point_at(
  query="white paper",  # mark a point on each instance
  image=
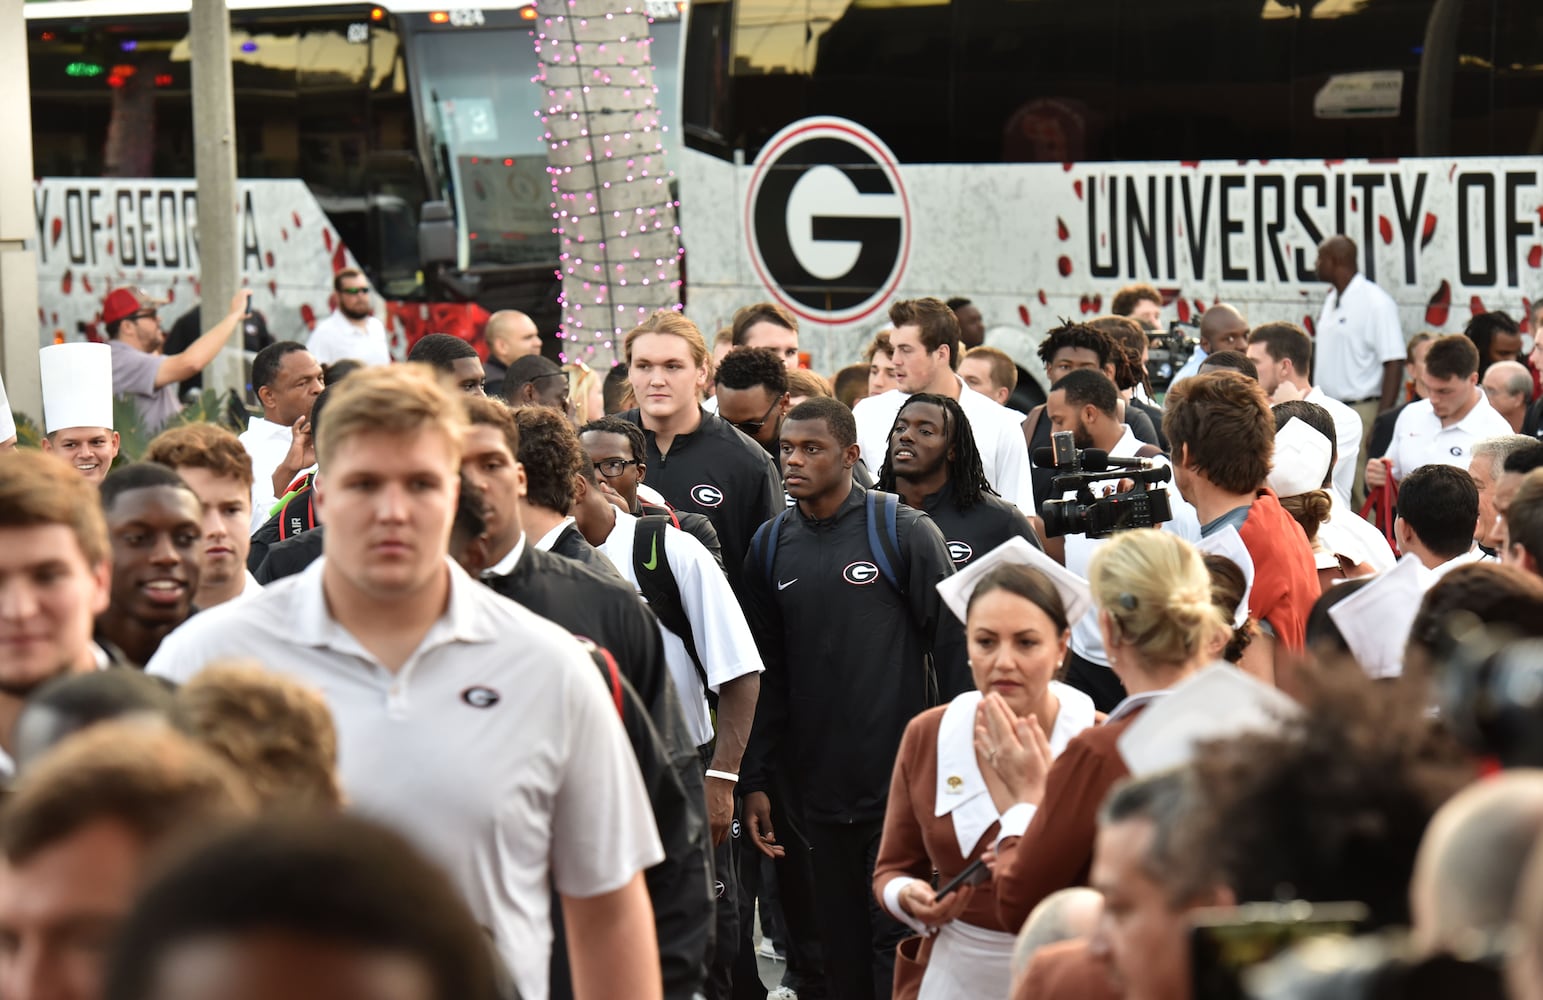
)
(1228, 544)
(7, 421)
(1376, 619)
(1218, 702)
(1075, 595)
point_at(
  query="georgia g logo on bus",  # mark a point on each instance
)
(828, 221)
(860, 573)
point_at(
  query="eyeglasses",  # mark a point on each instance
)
(144, 314)
(753, 427)
(353, 291)
(613, 467)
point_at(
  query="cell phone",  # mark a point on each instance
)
(974, 873)
(248, 312)
(1226, 942)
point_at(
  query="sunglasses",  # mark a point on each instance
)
(613, 467)
(144, 314)
(753, 427)
(353, 291)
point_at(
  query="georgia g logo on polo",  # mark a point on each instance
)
(860, 573)
(480, 697)
(707, 494)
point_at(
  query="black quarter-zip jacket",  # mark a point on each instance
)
(845, 656)
(720, 473)
(974, 532)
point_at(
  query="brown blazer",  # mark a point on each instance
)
(916, 842)
(1065, 971)
(1056, 851)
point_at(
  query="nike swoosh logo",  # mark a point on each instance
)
(653, 555)
(785, 586)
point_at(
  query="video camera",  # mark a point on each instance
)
(1168, 352)
(1489, 686)
(1145, 506)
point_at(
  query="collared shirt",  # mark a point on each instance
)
(511, 771)
(506, 565)
(998, 437)
(1191, 367)
(266, 443)
(1419, 439)
(723, 640)
(336, 338)
(1347, 440)
(1086, 640)
(546, 541)
(1473, 555)
(1358, 331)
(134, 375)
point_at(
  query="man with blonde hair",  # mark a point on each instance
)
(79, 832)
(276, 731)
(217, 468)
(437, 735)
(55, 575)
(989, 372)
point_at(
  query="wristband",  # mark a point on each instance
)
(725, 775)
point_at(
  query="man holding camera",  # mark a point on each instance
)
(1085, 403)
(1223, 439)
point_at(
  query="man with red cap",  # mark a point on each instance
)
(140, 371)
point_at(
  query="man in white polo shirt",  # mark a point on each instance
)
(1443, 427)
(926, 352)
(505, 762)
(1283, 353)
(1358, 340)
(287, 379)
(352, 330)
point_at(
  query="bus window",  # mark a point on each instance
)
(1518, 95)
(478, 102)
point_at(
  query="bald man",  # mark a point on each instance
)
(1471, 860)
(510, 335)
(1508, 384)
(1359, 343)
(1067, 915)
(1222, 328)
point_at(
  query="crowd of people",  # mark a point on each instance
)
(477, 675)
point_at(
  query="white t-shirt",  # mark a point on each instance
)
(1087, 642)
(998, 437)
(1347, 440)
(1358, 331)
(335, 338)
(724, 642)
(494, 748)
(1419, 439)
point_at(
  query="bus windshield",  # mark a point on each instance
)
(478, 105)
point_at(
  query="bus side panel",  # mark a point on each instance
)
(97, 234)
(1034, 244)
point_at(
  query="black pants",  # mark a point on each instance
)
(722, 958)
(857, 936)
(795, 891)
(1094, 680)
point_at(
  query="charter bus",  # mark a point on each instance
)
(1036, 155)
(355, 124)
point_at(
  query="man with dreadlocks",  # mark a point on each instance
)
(932, 463)
(1086, 403)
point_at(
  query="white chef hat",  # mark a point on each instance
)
(1075, 594)
(77, 386)
(1302, 457)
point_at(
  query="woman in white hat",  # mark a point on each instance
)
(946, 800)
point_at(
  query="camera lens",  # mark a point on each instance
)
(1063, 517)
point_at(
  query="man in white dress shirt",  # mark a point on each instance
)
(352, 331)
(926, 352)
(511, 771)
(1283, 353)
(287, 380)
(1359, 341)
(1443, 427)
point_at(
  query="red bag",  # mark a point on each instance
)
(1382, 503)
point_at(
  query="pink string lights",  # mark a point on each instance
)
(613, 211)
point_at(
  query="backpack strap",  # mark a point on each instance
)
(884, 536)
(764, 544)
(656, 579)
